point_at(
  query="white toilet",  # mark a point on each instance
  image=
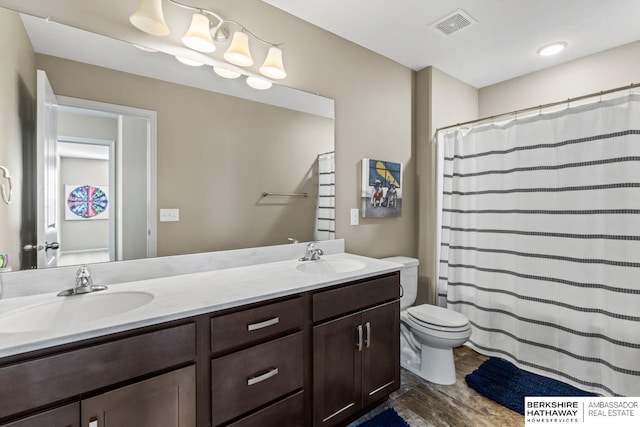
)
(428, 333)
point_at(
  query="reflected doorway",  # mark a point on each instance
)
(86, 168)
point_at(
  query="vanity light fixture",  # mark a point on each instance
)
(208, 27)
(238, 52)
(259, 83)
(198, 37)
(189, 62)
(149, 18)
(225, 72)
(552, 48)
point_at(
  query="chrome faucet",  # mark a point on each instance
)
(84, 284)
(312, 254)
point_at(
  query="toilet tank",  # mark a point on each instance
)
(408, 279)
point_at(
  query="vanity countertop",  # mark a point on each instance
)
(188, 295)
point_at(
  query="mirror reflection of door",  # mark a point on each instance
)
(46, 225)
(102, 157)
(86, 170)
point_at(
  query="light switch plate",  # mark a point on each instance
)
(355, 216)
(169, 215)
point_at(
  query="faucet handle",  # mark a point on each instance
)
(83, 276)
(83, 271)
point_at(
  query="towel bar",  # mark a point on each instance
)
(266, 194)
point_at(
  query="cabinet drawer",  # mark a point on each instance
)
(336, 302)
(248, 326)
(41, 381)
(288, 412)
(247, 379)
(65, 416)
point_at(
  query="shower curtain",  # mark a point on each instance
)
(326, 211)
(539, 241)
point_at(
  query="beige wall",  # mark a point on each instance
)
(441, 100)
(605, 70)
(17, 75)
(373, 105)
(216, 155)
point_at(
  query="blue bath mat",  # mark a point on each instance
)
(387, 418)
(508, 385)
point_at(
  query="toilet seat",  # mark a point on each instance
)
(439, 318)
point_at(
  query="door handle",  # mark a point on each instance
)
(33, 247)
(53, 246)
(367, 338)
(359, 339)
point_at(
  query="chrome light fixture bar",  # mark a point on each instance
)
(207, 27)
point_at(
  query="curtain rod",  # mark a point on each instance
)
(540, 107)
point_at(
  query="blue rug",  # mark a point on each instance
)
(387, 418)
(508, 385)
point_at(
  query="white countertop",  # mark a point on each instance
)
(186, 295)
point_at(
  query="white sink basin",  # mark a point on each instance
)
(331, 266)
(63, 312)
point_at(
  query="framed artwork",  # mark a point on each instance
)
(381, 189)
(86, 202)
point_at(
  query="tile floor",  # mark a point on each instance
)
(424, 404)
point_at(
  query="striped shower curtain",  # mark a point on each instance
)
(326, 211)
(540, 241)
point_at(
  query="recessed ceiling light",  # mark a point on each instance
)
(552, 49)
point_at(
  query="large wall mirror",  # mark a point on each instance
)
(148, 133)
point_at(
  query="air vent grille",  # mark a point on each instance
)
(454, 22)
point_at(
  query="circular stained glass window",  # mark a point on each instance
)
(87, 201)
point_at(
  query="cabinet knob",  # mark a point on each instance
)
(359, 339)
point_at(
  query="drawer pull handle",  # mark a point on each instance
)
(262, 377)
(359, 343)
(367, 338)
(266, 323)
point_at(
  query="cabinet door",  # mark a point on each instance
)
(164, 401)
(337, 363)
(65, 416)
(381, 353)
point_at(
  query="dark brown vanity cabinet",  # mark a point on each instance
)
(355, 353)
(258, 365)
(78, 372)
(316, 358)
(167, 400)
(65, 416)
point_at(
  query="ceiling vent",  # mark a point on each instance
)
(453, 22)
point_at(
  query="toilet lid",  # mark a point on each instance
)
(437, 316)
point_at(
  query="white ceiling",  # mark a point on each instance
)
(500, 46)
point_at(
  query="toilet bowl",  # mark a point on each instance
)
(428, 333)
